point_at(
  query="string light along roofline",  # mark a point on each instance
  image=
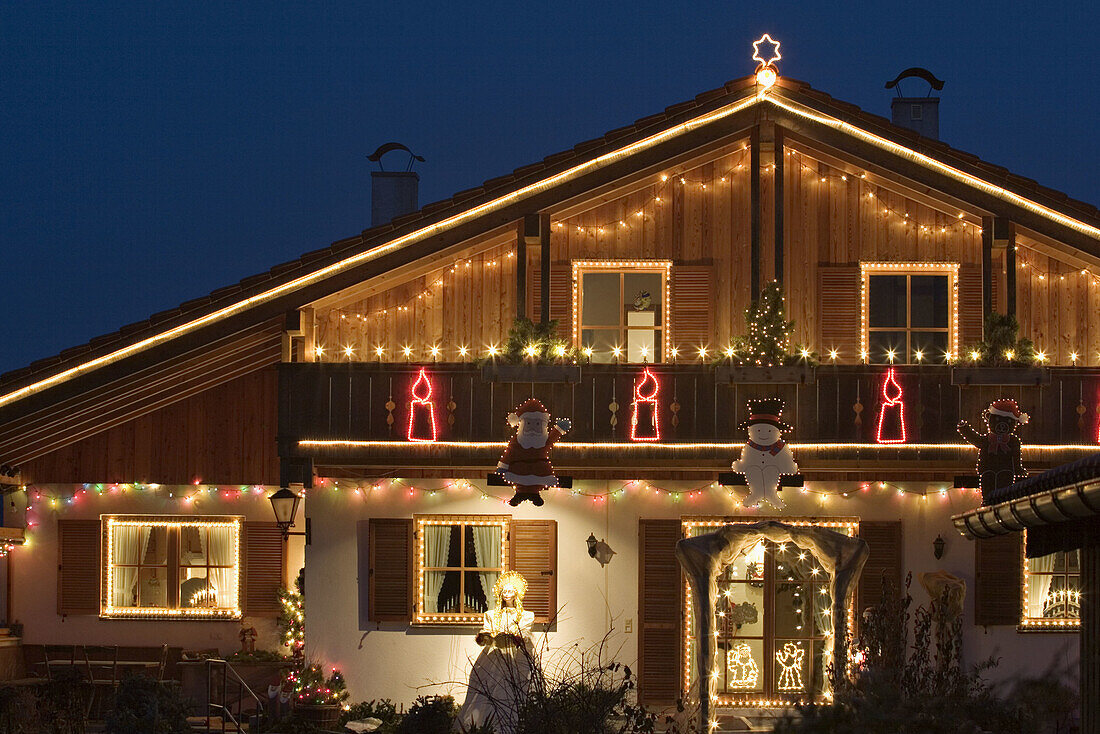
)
(587, 167)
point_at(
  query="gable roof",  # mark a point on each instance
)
(529, 188)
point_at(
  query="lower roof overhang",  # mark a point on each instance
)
(1069, 504)
(817, 462)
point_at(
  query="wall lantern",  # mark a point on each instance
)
(284, 504)
(937, 547)
(591, 545)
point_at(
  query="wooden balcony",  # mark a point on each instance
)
(358, 414)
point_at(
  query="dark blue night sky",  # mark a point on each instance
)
(154, 151)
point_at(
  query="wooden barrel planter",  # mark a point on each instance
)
(322, 715)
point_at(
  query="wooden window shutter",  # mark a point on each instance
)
(838, 310)
(884, 541)
(263, 568)
(561, 296)
(78, 567)
(390, 592)
(659, 617)
(533, 552)
(998, 576)
(692, 307)
(970, 304)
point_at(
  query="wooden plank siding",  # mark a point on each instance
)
(224, 435)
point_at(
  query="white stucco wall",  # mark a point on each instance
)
(34, 572)
(401, 662)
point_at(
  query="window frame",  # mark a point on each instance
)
(765, 697)
(172, 565)
(419, 616)
(661, 267)
(909, 269)
(1042, 624)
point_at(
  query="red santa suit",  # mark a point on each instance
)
(526, 459)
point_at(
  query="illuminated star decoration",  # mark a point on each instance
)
(766, 73)
(774, 54)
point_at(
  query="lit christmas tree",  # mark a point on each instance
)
(768, 341)
(292, 618)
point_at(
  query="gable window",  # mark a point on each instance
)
(910, 312)
(1051, 595)
(176, 567)
(773, 621)
(621, 310)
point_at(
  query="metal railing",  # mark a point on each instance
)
(230, 712)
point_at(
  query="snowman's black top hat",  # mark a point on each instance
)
(766, 410)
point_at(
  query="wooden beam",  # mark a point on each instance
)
(778, 183)
(754, 211)
(544, 270)
(523, 230)
(987, 270)
(1004, 235)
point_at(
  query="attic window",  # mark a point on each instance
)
(623, 310)
(910, 312)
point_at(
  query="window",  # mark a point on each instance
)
(459, 559)
(1052, 591)
(910, 312)
(180, 567)
(773, 621)
(916, 112)
(621, 310)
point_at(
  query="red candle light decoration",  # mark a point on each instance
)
(891, 417)
(644, 422)
(422, 426)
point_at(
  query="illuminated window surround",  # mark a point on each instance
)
(866, 269)
(651, 266)
(753, 98)
(1038, 624)
(687, 524)
(112, 521)
(422, 521)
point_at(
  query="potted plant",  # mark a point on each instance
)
(317, 700)
(533, 352)
(764, 354)
(1002, 358)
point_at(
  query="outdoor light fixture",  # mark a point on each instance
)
(284, 504)
(937, 547)
(592, 544)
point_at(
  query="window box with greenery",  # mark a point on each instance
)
(532, 353)
(1002, 358)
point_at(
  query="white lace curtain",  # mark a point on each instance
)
(437, 544)
(487, 548)
(222, 580)
(1038, 583)
(130, 545)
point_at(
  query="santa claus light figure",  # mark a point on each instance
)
(525, 463)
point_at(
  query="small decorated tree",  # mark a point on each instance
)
(768, 341)
(292, 617)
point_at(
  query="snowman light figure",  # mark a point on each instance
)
(766, 456)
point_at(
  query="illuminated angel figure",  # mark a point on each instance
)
(500, 675)
(790, 664)
(743, 670)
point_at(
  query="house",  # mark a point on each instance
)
(371, 377)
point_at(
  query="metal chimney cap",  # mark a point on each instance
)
(376, 156)
(919, 73)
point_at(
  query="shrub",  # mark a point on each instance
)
(429, 715)
(384, 710)
(144, 706)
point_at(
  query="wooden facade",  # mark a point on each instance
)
(699, 217)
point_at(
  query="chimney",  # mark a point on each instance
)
(393, 193)
(920, 114)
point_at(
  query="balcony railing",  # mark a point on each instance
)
(695, 403)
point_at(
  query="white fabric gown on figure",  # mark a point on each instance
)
(499, 678)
